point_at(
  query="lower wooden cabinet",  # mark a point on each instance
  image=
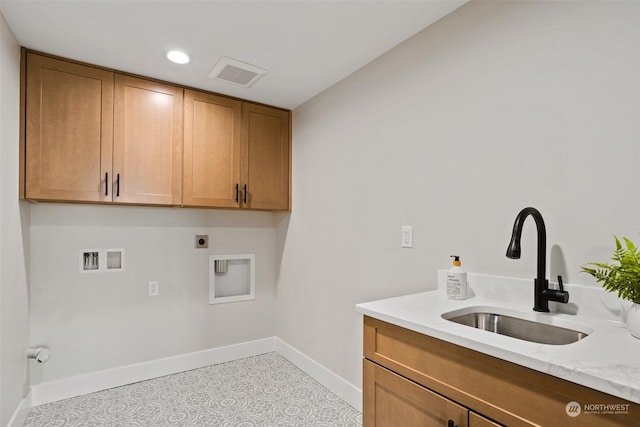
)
(477, 420)
(411, 379)
(391, 401)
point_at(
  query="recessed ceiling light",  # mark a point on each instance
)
(178, 57)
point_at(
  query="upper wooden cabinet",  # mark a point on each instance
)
(265, 157)
(89, 139)
(69, 130)
(236, 154)
(147, 148)
(95, 135)
(212, 128)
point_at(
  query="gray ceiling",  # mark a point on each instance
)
(306, 45)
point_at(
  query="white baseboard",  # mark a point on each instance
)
(17, 420)
(336, 384)
(102, 380)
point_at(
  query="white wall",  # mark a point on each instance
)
(499, 106)
(14, 222)
(96, 321)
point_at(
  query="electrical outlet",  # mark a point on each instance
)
(202, 241)
(407, 236)
(154, 288)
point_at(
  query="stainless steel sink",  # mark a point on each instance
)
(522, 329)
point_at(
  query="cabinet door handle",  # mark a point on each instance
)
(245, 194)
(118, 186)
(450, 423)
(106, 183)
(237, 193)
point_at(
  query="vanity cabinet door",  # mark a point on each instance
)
(265, 157)
(391, 401)
(477, 420)
(212, 130)
(69, 130)
(147, 149)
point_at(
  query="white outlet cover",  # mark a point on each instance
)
(154, 288)
(407, 236)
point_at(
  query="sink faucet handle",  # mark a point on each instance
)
(558, 295)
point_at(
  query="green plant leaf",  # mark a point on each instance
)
(623, 276)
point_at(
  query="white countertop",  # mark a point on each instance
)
(608, 359)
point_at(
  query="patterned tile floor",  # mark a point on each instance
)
(265, 390)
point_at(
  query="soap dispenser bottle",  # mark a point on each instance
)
(456, 280)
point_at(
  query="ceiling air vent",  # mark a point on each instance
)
(237, 72)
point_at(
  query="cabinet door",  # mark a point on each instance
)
(265, 157)
(391, 401)
(69, 130)
(147, 149)
(212, 128)
(477, 420)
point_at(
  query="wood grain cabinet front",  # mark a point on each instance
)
(265, 154)
(392, 401)
(93, 135)
(408, 374)
(477, 420)
(147, 149)
(212, 135)
(69, 131)
(100, 136)
(236, 154)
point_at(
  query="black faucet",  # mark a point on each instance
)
(542, 294)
